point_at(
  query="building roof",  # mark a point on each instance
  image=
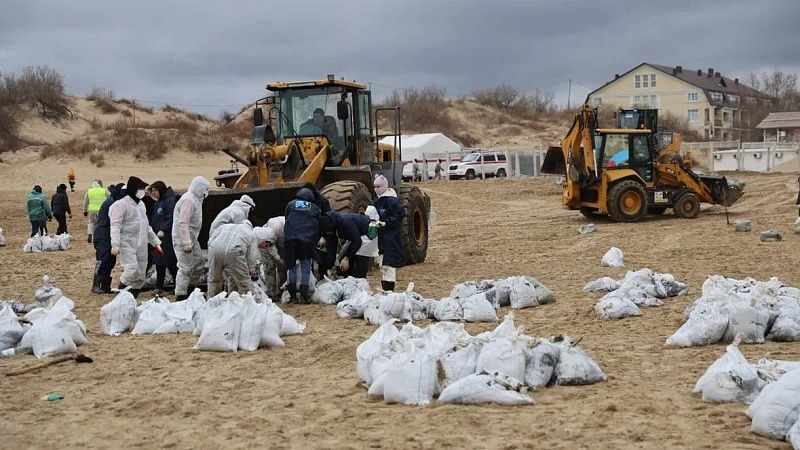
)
(780, 120)
(700, 78)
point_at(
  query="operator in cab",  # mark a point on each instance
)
(326, 125)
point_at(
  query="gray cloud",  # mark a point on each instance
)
(205, 53)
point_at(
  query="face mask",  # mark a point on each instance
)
(140, 194)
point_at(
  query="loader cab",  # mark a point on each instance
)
(625, 149)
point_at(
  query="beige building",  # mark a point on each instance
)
(717, 107)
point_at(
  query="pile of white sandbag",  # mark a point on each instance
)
(413, 365)
(636, 289)
(226, 322)
(49, 329)
(38, 244)
(729, 307)
(333, 292)
(771, 386)
(471, 301)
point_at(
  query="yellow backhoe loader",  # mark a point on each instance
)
(630, 171)
(323, 132)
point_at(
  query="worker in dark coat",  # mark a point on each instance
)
(101, 238)
(390, 211)
(349, 227)
(300, 234)
(161, 222)
(59, 205)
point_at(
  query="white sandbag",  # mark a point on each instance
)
(747, 321)
(374, 313)
(771, 236)
(458, 364)
(575, 367)
(478, 309)
(51, 335)
(200, 314)
(352, 286)
(151, 315)
(116, 316)
(502, 355)
(587, 228)
(616, 306)
(33, 245)
(742, 225)
(485, 388)
(180, 315)
(448, 309)
(778, 407)
(706, 325)
(271, 333)
(522, 293)
(729, 379)
(48, 293)
(254, 319)
(464, 290)
(11, 331)
(328, 292)
(290, 326)
(793, 436)
(62, 241)
(603, 284)
(221, 330)
(354, 306)
(369, 349)
(541, 362)
(612, 258)
(787, 326)
(410, 378)
(77, 330)
(395, 305)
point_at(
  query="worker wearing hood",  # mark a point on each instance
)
(300, 233)
(272, 254)
(92, 202)
(233, 247)
(238, 211)
(130, 233)
(389, 236)
(186, 223)
(104, 260)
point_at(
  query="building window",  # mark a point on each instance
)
(694, 115)
(726, 117)
(652, 80)
(693, 97)
(654, 101)
(644, 81)
(598, 101)
(734, 99)
(637, 81)
(716, 97)
(751, 100)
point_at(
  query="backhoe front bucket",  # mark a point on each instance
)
(725, 191)
(554, 162)
(270, 202)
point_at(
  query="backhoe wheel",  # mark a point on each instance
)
(347, 196)
(416, 209)
(687, 206)
(656, 210)
(627, 201)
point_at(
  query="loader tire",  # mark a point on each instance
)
(687, 206)
(347, 196)
(416, 209)
(627, 201)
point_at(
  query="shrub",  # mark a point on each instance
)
(106, 107)
(100, 94)
(44, 87)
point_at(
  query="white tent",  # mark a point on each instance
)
(426, 147)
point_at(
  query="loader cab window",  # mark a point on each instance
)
(641, 152)
(615, 151)
(310, 112)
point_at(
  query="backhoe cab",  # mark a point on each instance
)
(628, 171)
(321, 132)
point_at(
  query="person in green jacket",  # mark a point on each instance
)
(92, 202)
(38, 211)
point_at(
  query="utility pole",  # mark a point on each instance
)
(569, 93)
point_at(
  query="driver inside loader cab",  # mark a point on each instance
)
(326, 124)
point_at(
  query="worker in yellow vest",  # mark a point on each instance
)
(92, 202)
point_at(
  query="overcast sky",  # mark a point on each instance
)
(208, 56)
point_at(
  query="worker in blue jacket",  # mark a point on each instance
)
(300, 234)
(390, 247)
(101, 238)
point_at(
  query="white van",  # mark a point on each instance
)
(494, 164)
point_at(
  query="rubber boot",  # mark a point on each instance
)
(105, 285)
(292, 293)
(181, 297)
(135, 292)
(89, 238)
(96, 288)
(387, 285)
(304, 295)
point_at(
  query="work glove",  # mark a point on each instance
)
(158, 250)
(160, 234)
(115, 250)
(372, 231)
(344, 264)
(85, 213)
(187, 248)
(321, 243)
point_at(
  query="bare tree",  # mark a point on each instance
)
(44, 87)
(781, 86)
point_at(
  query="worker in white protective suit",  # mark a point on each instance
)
(130, 234)
(237, 212)
(273, 267)
(234, 248)
(187, 220)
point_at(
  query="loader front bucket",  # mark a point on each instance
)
(270, 202)
(725, 191)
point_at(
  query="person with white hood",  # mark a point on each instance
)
(130, 234)
(272, 254)
(234, 247)
(390, 234)
(236, 212)
(186, 223)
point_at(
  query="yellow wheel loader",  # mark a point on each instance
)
(322, 132)
(631, 170)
